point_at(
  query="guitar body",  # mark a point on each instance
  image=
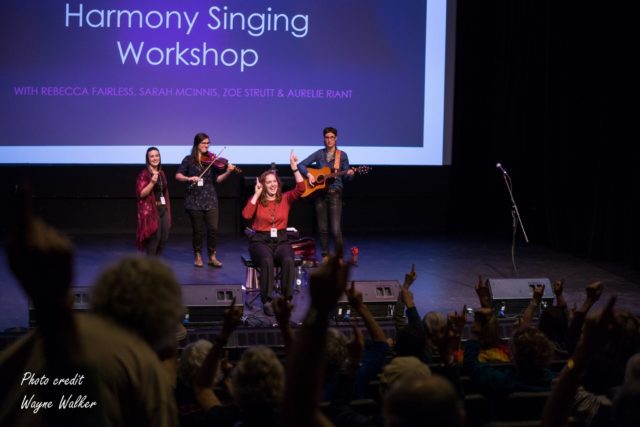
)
(322, 177)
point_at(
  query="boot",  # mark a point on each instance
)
(213, 261)
(198, 261)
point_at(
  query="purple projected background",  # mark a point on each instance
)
(354, 65)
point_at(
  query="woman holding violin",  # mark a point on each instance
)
(199, 170)
(154, 208)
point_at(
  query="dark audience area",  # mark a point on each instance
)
(132, 359)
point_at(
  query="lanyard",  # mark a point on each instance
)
(272, 211)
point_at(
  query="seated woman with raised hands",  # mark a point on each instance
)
(268, 211)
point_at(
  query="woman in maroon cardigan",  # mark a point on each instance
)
(268, 211)
(154, 207)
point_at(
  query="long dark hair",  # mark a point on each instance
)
(163, 179)
(263, 195)
(146, 157)
(196, 141)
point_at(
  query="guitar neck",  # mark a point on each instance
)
(337, 174)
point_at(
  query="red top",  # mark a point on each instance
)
(274, 214)
(147, 210)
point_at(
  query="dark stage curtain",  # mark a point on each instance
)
(549, 90)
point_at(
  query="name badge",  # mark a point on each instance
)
(274, 233)
(162, 201)
(200, 182)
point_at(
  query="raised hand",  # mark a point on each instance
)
(410, 277)
(594, 291)
(354, 296)
(232, 317)
(41, 259)
(597, 329)
(258, 188)
(293, 159)
(558, 287)
(328, 282)
(483, 292)
(450, 342)
(538, 293)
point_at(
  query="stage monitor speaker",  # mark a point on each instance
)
(206, 303)
(379, 295)
(81, 302)
(510, 297)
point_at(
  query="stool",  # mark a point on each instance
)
(251, 276)
(252, 283)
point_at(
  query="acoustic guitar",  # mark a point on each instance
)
(324, 176)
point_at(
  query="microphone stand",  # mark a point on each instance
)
(516, 219)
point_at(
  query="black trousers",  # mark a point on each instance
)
(155, 244)
(267, 253)
(204, 222)
(329, 217)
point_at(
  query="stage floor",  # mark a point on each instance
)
(447, 267)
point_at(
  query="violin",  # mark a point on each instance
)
(219, 163)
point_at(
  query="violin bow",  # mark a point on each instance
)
(211, 164)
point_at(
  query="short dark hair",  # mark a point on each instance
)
(329, 130)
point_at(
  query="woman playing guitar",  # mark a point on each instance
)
(328, 203)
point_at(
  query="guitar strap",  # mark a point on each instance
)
(336, 161)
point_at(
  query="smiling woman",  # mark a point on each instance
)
(201, 199)
(268, 211)
(154, 207)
